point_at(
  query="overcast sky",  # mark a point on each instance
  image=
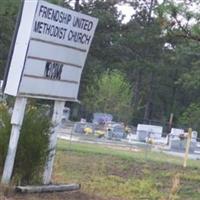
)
(127, 10)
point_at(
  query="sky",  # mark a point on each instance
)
(127, 10)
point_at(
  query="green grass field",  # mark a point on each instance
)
(123, 174)
(110, 173)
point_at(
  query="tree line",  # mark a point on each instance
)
(139, 71)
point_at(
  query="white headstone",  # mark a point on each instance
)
(146, 131)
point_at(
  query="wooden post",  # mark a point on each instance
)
(16, 121)
(57, 114)
(170, 126)
(171, 121)
(189, 136)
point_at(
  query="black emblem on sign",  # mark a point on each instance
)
(53, 70)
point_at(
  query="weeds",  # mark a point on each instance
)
(112, 175)
(32, 147)
(175, 187)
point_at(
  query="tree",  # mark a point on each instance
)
(142, 45)
(191, 117)
(181, 18)
(8, 13)
(157, 51)
(102, 53)
(111, 94)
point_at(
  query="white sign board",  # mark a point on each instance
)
(50, 52)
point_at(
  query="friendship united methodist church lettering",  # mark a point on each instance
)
(62, 30)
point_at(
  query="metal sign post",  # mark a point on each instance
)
(56, 119)
(16, 121)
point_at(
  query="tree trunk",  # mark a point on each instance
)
(149, 104)
(148, 107)
(77, 6)
(174, 90)
(136, 90)
(150, 10)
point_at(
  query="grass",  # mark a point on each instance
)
(92, 149)
(106, 173)
(123, 174)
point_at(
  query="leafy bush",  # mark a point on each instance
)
(191, 117)
(111, 94)
(32, 147)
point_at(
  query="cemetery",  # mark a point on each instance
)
(175, 141)
(99, 103)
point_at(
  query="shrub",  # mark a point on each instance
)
(111, 94)
(32, 147)
(191, 117)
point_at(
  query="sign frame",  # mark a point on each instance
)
(13, 80)
(40, 48)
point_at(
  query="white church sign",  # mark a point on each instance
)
(46, 62)
(50, 52)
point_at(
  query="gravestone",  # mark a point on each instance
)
(178, 140)
(145, 132)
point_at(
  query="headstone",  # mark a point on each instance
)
(115, 131)
(178, 140)
(79, 127)
(176, 132)
(84, 128)
(179, 145)
(102, 118)
(145, 132)
(194, 135)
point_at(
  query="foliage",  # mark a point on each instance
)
(191, 116)
(111, 94)
(181, 18)
(32, 147)
(128, 189)
(8, 13)
(144, 59)
(157, 50)
(103, 51)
